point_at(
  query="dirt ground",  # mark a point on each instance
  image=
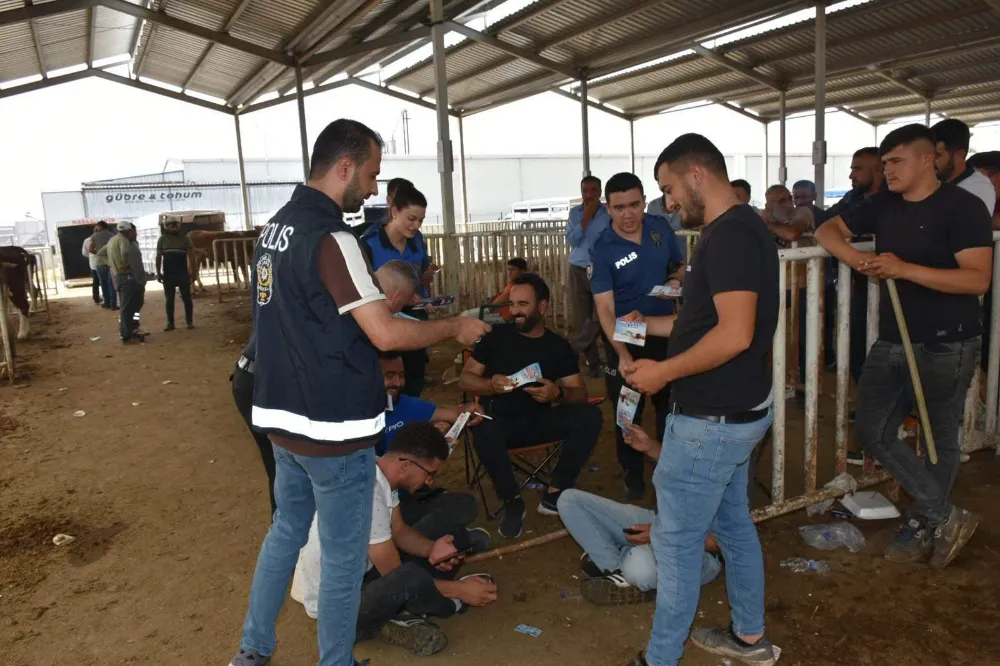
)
(162, 487)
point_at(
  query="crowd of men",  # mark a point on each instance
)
(376, 550)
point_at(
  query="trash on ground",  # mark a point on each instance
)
(801, 564)
(63, 388)
(63, 539)
(95, 338)
(870, 505)
(79, 412)
(844, 482)
(777, 652)
(528, 630)
(136, 404)
(169, 381)
(834, 535)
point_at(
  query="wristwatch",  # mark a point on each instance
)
(561, 395)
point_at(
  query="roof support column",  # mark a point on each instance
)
(631, 143)
(303, 138)
(586, 126)
(782, 153)
(819, 145)
(766, 166)
(446, 166)
(465, 187)
(247, 222)
(927, 111)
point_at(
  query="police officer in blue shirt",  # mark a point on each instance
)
(587, 222)
(636, 253)
(400, 238)
(319, 316)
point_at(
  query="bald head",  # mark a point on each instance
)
(399, 283)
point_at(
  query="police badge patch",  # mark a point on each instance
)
(265, 277)
(590, 271)
(655, 236)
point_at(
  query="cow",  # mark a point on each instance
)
(17, 268)
(202, 255)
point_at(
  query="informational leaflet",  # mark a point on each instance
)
(456, 429)
(631, 332)
(628, 403)
(435, 301)
(665, 290)
(388, 406)
(529, 375)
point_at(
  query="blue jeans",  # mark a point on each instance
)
(339, 490)
(598, 524)
(107, 287)
(701, 486)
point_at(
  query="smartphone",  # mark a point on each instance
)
(463, 551)
(631, 532)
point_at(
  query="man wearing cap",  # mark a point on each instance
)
(125, 259)
(172, 250)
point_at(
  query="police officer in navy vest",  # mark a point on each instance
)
(637, 253)
(319, 318)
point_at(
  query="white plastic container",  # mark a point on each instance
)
(870, 505)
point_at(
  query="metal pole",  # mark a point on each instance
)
(446, 165)
(302, 123)
(465, 188)
(927, 112)
(586, 127)
(767, 166)
(247, 222)
(814, 271)
(778, 357)
(819, 146)
(631, 143)
(843, 363)
(782, 156)
(993, 366)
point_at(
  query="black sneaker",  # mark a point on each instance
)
(640, 660)
(249, 658)
(634, 486)
(725, 643)
(512, 521)
(589, 567)
(613, 590)
(168, 327)
(912, 543)
(549, 506)
(479, 539)
(950, 537)
(190, 325)
(414, 633)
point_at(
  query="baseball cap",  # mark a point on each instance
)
(125, 225)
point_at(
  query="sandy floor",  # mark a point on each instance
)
(163, 489)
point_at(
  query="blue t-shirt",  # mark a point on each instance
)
(580, 240)
(383, 251)
(631, 270)
(406, 410)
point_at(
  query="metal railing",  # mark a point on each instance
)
(232, 257)
(44, 262)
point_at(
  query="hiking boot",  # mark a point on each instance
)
(414, 633)
(549, 506)
(589, 567)
(613, 590)
(725, 643)
(952, 535)
(479, 539)
(634, 486)
(249, 658)
(512, 521)
(912, 543)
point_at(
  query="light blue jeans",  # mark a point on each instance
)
(598, 524)
(701, 486)
(339, 491)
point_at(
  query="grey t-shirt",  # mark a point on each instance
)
(101, 239)
(135, 262)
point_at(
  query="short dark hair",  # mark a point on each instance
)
(518, 262)
(953, 133)
(739, 182)
(622, 182)
(342, 138)
(904, 136)
(101, 224)
(775, 188)
(420, 439)
(390, 355)
(407, 195)
(988, 161)
(591, 179)
(537, 283)
(805, 185)
(867, 151)
(394, 184)
(692, 149)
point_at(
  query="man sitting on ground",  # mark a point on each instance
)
(411, 568)
(615, 538)
(526, 416)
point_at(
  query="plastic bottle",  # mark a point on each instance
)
(801, 564)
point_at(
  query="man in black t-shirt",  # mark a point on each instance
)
(553, 409)
(934, 239)
(718, 364)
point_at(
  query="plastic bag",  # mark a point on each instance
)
(834, 535)
(843, 481)
(801, 565)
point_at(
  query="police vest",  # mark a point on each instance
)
(316, 374)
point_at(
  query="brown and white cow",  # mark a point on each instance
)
(202, 255)
(17, 268)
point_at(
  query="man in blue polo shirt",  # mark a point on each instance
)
(636, 253)
(587, 222)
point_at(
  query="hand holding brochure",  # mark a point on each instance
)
(525, 376)
(628, 403)
(631, 332)
(665, 291)
(456, 429)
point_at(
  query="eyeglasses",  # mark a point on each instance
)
(430, 475)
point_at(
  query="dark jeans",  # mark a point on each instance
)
(885, 399)
(829, 326)
(859, 328)
(436, 512)
(243, 397)
(414, 362)
(107, 287)
(132, 295)
(96, 285)
(183, 284)
(632, 461)
(579, 424)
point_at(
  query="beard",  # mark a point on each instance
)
(692, 212)
(353, 196)
(529, 323)
(947, 172)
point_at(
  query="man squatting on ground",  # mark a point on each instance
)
(319, 318)
(935, 239)
(719, 367)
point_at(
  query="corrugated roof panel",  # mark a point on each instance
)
(513, 72)
(114, 32)
(211, 14)
(223, 71)
(711, 87)
(462, 63)
(172, 55)
(11, 4)
(64, 39)
(692, 69)
(17, 52)
(272, 22)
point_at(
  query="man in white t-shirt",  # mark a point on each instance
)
(410, 574)
(952, 136)
(92, 261)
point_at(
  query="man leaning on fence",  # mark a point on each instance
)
(934, 240)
